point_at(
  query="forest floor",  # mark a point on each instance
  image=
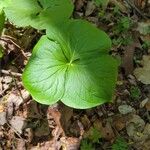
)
(123, 124)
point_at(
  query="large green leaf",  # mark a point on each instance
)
(74, 67)
(38, 13)
(2, 17)
(2, 4)
(2, 21)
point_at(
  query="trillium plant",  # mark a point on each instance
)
(71, 62)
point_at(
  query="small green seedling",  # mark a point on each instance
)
(86, 145)
(135, 92)
(120, 144)
(101, 3)
(146, 44)
(123, 25)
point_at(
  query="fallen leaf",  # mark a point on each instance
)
(70, 143)
(106, 130)
(144, 27)
(125, 109)
(127, 61)
(147, 130)
(143, 74)
(66, 114)
(29, 134)
(7, 79)
(18, 123)
(147, 105)
(85, 121)
(3, 118)
(2, 108)
(143, 103)
(135, 127)
(18, 99)
(90, 8)
(32, 110)
(43, 129)
(119, 122)
(21, 144)
(146, 145)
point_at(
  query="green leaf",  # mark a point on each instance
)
(1, 52)
(1, 4)
(74, 67)
(2, 16)
(2, 21)
(38, 13)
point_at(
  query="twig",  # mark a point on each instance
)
(119, 4)
(10, 73)
(15, 131)
(9, 39)
(133, 6)
(146, 4)
(18, 90)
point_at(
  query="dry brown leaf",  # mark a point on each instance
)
(90, 8)
(147, 105)
(119, 122)
(18, 123)
(127, 62)
(21, 144)
(70, 143)
(143, 74)
(3, 119)
(135, 127)
(79, 4)
(105, 130)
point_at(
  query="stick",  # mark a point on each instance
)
(133, 6)
(8, 72)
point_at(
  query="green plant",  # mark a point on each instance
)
(146, 44)
(123, 25)
(86, 145)
(116, 10)
(71, 62)
(122, 40)
(102, 3)
(135, 92)
(2, 21)
(1, 52)
(95, 135)
(120, 144)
